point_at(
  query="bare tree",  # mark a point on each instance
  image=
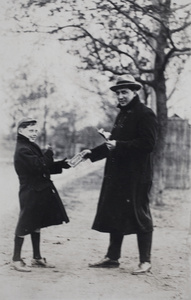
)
(141, 37)
(29, 99)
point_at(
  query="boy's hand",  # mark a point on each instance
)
(65, 164)
(48, 147)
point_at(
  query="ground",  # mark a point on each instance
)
(72, 246)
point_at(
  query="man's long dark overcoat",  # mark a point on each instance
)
(40, 204)
(124, 202)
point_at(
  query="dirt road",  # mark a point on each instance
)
(72, 246)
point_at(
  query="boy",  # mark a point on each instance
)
(40, 204)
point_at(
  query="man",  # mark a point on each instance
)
(40, 204)
(123, 206)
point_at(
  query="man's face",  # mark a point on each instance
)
(30, 132)
(124, 96)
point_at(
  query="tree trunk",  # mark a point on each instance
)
(161, 100)
(158, 180)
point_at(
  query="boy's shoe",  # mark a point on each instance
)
(142, 268)
(41, 263)
(105, 263)
(20, 266)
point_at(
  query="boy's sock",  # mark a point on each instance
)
(17, 248)
(35, 238)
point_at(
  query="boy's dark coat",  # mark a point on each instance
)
(40, 204)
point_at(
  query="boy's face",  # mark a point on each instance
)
(31, 132)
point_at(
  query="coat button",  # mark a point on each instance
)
(128, 200)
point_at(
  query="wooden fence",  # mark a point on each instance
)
(177, 154)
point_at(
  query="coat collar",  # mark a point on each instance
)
(24, 139)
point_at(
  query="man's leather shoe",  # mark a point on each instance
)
(105, 263)
(41, 263)
(142, 268)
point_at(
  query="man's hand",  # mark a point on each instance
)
(111, 145)
(104, 133)
(85, 154)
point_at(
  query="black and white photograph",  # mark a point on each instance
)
(95, 150)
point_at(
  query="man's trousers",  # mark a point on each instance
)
(144, 240)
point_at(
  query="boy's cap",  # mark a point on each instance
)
(26, 120)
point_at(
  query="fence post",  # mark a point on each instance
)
(177, 154)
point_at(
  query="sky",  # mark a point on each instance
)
(51, 62)
(49, 59)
